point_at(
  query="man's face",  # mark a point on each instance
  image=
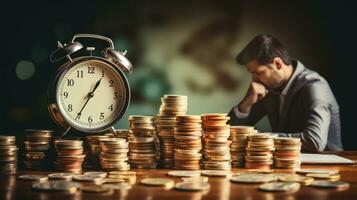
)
(268, 75)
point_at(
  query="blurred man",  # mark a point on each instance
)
(297, 101)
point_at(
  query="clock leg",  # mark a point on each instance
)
(66, 131)
(112, 129)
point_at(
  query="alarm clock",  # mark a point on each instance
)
(89, 93)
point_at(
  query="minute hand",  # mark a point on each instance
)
(90, 95)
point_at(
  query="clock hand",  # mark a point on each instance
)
(90, 95)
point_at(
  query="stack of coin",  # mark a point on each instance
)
(143, 142)
(188, 144)
(287, 153)
(38, 149)
(239, 135)
(92, 149)
(114, 154)
(165, 126)
(172, 105)
(69, 155)
(216, 132)
(259, 149)
(8, 154)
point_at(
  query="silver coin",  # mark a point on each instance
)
(280, 187)
(87, 178)
(66, 176)
(64, 186)
(330, 184)
(253, 178)
(118, 186)
(100, 174)
(33, 177)
(192, 186)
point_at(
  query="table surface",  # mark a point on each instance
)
(221, 188)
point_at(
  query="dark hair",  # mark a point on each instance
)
(264, 48)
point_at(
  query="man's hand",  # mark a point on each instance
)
(256, 92)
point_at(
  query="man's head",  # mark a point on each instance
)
(266, 59)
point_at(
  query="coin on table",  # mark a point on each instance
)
(253, 178)
(280, 187)
(331, 177)
(195, 179)
(216, 173)
(317, 171)
(331, 184)
(261, 171)
(65, 176)
(96, 189)
(125, 173)
(87, 178)
(298, 179)
(118, 186)
(63, 186)
(184, 173)
(192, 186)
(158, 182)
(33, 177)
(100, 174)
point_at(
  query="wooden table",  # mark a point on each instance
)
(221, 188)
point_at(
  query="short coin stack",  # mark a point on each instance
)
(259, 151)
(142, 142)
(239, 136)
(114, 154)
(92, 149)
(216, 144)
(121, 133)
(287, 153)
(171, 106)
(188, 144)
(8, 154)
(38, 149)
(69, 155)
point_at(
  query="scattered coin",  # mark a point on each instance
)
(33, 177)
(168, 183)
(96, 189)
(65, 176)
(298, 179)
(62, 186)
(192, 186)
(100, 174)
(253, 178)
(195, 179)
(331, 177)
(280, 187)
(183, 173)
(331, 184)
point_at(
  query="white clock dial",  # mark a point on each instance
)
(91, 95)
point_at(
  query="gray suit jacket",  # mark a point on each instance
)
(310, 112)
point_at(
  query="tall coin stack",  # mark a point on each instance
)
(188, 144)
(239, 136)
(216, 132)
(287, 153)
(38, 149)
(142, 142)
(114, 154)
(92, 149)
(259, 149)
(69, 155)
(8, 154)
(171, 106)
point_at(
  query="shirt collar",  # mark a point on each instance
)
(298, 66)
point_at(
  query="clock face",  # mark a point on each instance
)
(91, 95)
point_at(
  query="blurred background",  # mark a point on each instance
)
(176, 47)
